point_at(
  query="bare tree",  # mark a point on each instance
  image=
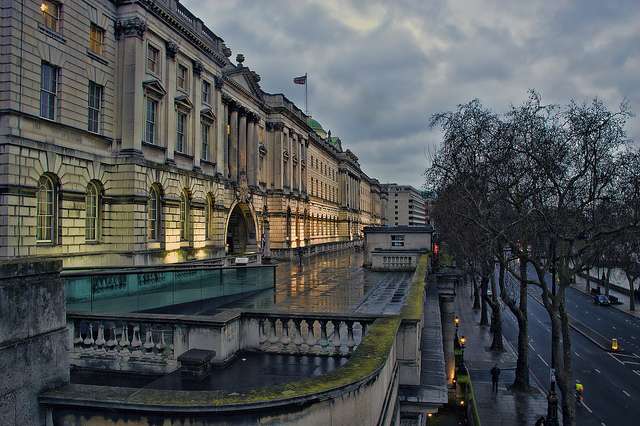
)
(536, 180)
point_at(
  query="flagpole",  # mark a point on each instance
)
(306, 109)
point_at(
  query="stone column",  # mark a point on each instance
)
(242, 143)
(130, 33)
(233, 143)
(220, 140)
(448, 335)
(252, 148)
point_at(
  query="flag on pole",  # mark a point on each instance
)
(300, 80)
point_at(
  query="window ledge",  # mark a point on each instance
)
(183, 155)
(53, 34)
(97, 57)
(153, 146)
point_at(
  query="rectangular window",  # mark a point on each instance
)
(182, 77)
(397, 240)
(95, 100)
(205, 141)
(96, 39)
(150, 133)
(48, 91)
(206, 92)
(180, 132)
(50, 14)
(152, 59)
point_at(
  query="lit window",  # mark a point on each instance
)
(92, 209)
(150, 132)
(46, 210)
(206, 92)
(50, 14)
(184, 216)
(181, 127)
(155, 212)
(182, 77)
(96, 39)
(152, 59)
(95, 100)
(205, 141)
(48, 91)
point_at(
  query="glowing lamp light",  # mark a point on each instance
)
(614, 344)
(457, 320)
(463, 340)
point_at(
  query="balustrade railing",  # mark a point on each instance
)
(312, 335)
(152, 343)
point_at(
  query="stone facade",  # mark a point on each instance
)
(128, 137)
(34, 354)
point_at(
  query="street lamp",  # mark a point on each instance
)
(462, 369)
(456, 341)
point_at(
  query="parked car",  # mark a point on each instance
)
(601, 300)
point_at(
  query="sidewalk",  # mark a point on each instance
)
(504, 407)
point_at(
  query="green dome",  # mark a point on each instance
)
(316, 127)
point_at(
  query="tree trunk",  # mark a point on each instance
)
(521, 381)
(496, 315)
(484, 281)
(566, 382)
(476, 290)
(632, 294)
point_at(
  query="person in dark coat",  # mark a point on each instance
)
(495, 374)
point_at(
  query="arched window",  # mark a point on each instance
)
(46, 213)
(92, 212)
(155, 213)
(209, 222)
(184, 216)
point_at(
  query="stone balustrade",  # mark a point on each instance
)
(151, 343)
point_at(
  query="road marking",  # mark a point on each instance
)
(597, 371)
(542, 359)
(614, 327)
(585, 406)
(637, 372)
(612, 356)
(626, 393)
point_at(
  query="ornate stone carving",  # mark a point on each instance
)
(134, 27)
(274, 126)
(218, 82)
(198, 67)
(242, 191)
(239, 59)
(172, 49)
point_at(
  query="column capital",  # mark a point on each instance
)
(172, 49)
(134, 27)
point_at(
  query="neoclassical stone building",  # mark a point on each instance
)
(129, 137)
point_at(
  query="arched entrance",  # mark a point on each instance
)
(241, 230)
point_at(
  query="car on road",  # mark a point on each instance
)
(601, 300)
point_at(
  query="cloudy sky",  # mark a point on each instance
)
(378, 70)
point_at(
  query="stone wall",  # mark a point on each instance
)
(33, 339)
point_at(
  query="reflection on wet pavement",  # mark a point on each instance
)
(330, 283)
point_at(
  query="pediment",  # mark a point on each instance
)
(183, 103)
(207, 115)
(246, 79)
(154, 88)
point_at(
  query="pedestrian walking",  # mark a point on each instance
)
(495, 373)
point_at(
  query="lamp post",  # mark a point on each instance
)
(462, 369)
(456, 341)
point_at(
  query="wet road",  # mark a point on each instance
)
(330, 283)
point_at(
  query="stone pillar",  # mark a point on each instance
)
(130, 33)
(253, 154)
(34, 342)
(242, 143)
(448, 335)
(233, 143)
(220, 140)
